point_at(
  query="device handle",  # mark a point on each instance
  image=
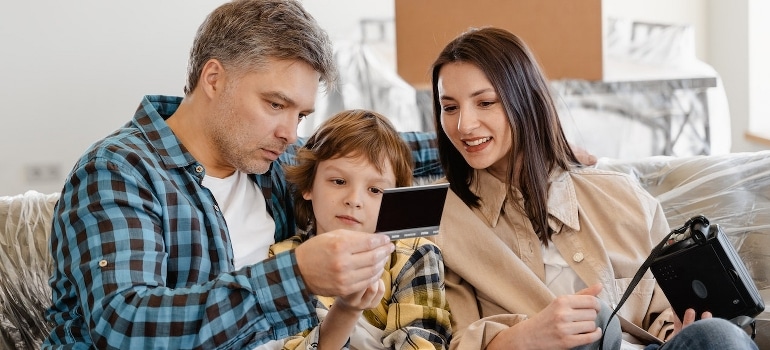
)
(696, 220)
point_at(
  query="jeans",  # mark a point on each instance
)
(711, 333)
(611, 330)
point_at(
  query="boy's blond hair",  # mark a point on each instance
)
(349, 133)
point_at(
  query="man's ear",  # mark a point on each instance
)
(213, 77)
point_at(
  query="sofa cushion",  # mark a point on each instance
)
(732, 190)
(25, 265)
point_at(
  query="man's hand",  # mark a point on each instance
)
(569, 321)
(583, 156)
(342, 262)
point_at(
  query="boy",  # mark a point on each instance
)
(338, 182)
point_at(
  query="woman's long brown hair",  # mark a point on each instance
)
(537, 133)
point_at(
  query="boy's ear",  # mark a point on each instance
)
(307, 196)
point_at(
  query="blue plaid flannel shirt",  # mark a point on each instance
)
(141, 252)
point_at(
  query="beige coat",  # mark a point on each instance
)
(605, 225)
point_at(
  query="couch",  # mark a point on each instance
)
(732, 190)
(25, 224)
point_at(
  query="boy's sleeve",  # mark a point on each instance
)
(418, 314)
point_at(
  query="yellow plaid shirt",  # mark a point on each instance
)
(413, 312)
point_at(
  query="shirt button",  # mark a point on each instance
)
(578, 257)
(199, 169)
(102, 263)
(216, 208)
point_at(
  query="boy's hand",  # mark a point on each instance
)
(368, 298)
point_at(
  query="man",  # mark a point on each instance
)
(160, 237)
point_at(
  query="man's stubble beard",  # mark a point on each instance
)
(229, 139)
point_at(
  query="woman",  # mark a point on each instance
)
(534, 243)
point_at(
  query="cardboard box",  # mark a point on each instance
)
(565, 35)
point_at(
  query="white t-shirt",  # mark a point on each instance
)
(252, 229)
(559, 277)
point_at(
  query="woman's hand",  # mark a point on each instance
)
(569, 321)
(689, 318)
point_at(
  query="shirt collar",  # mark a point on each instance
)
(150, 119)
(562, 203)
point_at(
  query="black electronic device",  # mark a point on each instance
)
(409, 212)
(699, 268)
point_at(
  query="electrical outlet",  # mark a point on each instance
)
(37, 173)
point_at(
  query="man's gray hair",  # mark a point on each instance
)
(244, 34)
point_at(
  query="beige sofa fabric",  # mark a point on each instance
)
(25, 225)
(732, 190)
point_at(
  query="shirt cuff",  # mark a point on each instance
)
(281, 294)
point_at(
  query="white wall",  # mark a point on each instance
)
(728, 54)
(759, 65)
(73, 71)
(731, 36)
(733, 54)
